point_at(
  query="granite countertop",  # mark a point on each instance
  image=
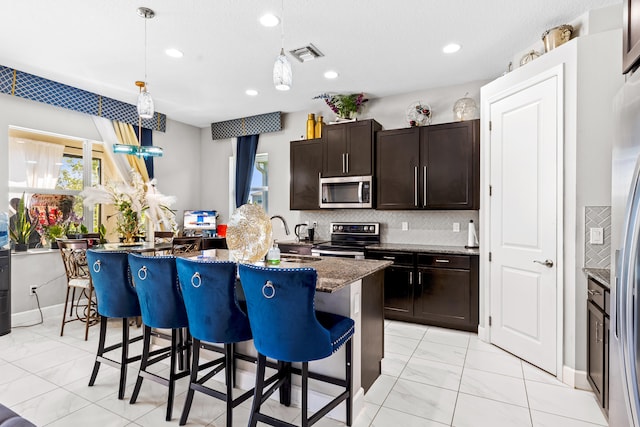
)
(441, 249)
(602, 275)
(333, 273)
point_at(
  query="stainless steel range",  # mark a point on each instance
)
(348, 239)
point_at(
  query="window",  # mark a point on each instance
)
(52, 170)
(259, 192)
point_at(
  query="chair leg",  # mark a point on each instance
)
(64, 312)
(88, 320)
(193, 380)
(285, 389)
(73, 298)
(257, 394)
(143, 362)
(305, 394)
(124, 358)
(172, 372)
(101, 341)
(349, 378)
(228, 374)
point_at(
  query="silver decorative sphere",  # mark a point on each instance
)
(465, 109)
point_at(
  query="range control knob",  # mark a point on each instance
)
(340, 228)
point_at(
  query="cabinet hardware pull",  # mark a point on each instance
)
(347, 162)
(343, 168)
(442, 260)
(415, 186)
(411, 277)
(424, 187)
(598, 326)
(291, 251)
(593, 292)
(419, 277)
(392, 258)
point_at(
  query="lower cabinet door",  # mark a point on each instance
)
(398, 291)
(443, 297)
(595, 353)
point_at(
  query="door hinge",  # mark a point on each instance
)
(490, 190)
(490, 125)
(489, 320)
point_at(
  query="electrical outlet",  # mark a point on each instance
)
(456, 227)
(596, 236)
(405, 226)
(32, 289)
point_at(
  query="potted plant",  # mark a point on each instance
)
(53, 232)
(345, 106)
(22, 228)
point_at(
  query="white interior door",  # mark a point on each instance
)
(523, 219)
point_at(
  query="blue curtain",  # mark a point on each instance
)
(245, 160)
(147, 141)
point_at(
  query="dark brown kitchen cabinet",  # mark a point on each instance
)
(598, 341)
(306, 165)
(433, 289)
(431, 167)
(348, 148)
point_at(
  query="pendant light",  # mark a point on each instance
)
(145, 102)
(282, 76)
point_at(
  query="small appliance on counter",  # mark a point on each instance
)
(200, 223)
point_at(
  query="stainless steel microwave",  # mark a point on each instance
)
(346, 192)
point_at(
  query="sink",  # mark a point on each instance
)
(299, 259)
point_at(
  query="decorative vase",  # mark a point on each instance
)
(311, 125)
(319, 124)
(54, 244)
(128, 238)
(21, 247)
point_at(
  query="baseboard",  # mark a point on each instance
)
(483, 333)
(33, 316)
(575, 379)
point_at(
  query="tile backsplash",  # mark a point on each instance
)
(424, 227)
(597, 256)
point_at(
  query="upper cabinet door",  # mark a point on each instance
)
(397, 155)
(335, 149)
(450, 165)
(349, 148)
(306, 164)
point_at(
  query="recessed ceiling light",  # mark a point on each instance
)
(269, 20)
(251, 92)
(174, 53)
(330, 74)
(451, 48)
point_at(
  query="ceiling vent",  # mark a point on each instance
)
(306, 53)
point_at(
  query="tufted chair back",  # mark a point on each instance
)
(280, 305)
(156, 282)
(112, 283)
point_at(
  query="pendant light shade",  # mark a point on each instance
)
(145, 103)
(282, 76)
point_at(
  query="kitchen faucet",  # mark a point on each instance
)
(284, 222)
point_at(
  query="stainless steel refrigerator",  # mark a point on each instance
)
(624, 335)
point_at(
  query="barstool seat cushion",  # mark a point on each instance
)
(80, 283)
(340, 328)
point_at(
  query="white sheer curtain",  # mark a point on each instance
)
(109, 137)
(34, 164)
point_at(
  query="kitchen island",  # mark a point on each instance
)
(345, 286)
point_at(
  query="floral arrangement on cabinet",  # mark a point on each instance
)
(345, 106)
(134, 201)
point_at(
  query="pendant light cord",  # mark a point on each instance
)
(282, 28)
(145, 52)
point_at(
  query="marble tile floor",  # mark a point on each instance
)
(431, 377)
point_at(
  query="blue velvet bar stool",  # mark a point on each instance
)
(161, 305)
(208, 290)
(118, 300)
(286, 327)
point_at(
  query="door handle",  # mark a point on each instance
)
(546, 262)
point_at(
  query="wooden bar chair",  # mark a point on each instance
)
(74, 252)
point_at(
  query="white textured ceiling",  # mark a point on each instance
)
(380, 47)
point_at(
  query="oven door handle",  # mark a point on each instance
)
(321, 252)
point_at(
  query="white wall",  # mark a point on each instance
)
(177, 172)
